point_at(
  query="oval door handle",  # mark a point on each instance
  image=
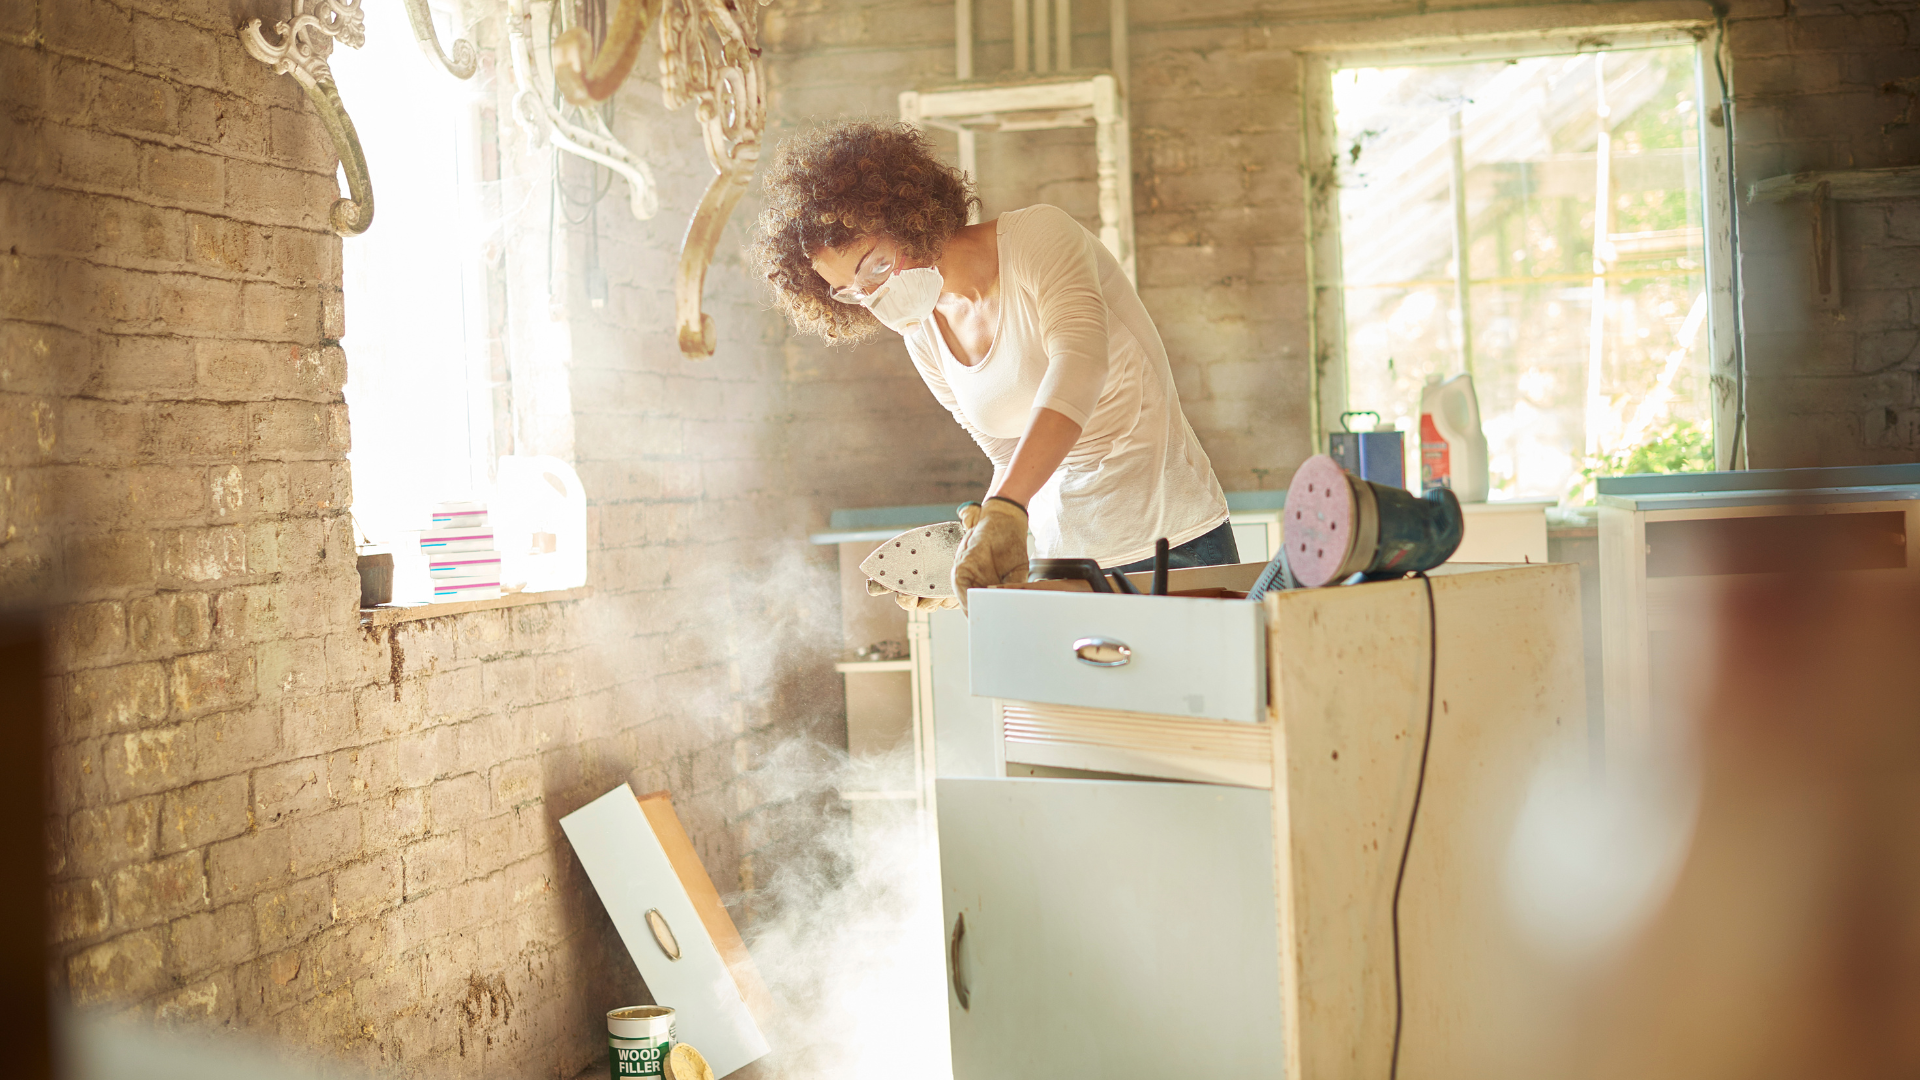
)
(663, 934)
(1102, 652)
(953, 962)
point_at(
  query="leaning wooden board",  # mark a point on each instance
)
(658, 806)
(633, 871)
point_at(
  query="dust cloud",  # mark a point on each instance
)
(849, 944)
(841, 907)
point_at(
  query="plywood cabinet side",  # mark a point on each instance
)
(1350, 705)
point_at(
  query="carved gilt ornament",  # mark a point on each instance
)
(306, 40)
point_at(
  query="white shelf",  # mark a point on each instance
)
(869, 667)
(1847, 185)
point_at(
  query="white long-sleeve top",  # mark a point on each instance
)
(1073, 337)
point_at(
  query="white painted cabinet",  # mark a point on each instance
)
(965, 735)
(1108, 921)
(1094, 927)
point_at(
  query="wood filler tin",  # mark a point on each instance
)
(639, 1038)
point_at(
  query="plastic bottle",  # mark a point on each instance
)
(540, 524)
(1453, 449)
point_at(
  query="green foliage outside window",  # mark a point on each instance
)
(1679, 446)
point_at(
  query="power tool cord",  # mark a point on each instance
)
(1413, 818)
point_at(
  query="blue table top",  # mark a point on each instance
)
(883, 522)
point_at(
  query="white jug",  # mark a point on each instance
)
(540, 524)
(1453, 449)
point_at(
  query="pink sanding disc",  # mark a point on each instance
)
(1319, 521)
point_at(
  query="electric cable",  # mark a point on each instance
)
(1734, 282)
(592, 15)
(1413, 818)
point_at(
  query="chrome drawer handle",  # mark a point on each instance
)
(1102, 652)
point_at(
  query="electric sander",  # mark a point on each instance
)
(1338, 525)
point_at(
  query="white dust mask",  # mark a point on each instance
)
(906, 299)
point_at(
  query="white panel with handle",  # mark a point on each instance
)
(1179, 656)
(1109, 929)
(643, 895)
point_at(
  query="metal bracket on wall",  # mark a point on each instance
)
(465, 60)
(710, 55)
(1821, 190)
(535, 110)
(306, 40)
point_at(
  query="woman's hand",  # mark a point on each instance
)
(1049, 436)
(994, 550)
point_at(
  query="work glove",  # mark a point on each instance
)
(908, 601)
(994, 551)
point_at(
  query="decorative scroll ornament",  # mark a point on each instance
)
(586, 76)
(710, 55)
(535, 110)
(465, 60)
(306, 40)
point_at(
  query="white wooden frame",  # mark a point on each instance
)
(1455, 37)
(1040, 106)
(1031, 99)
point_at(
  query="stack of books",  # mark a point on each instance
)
(460, 555)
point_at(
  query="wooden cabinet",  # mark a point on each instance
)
(893, 702)
(1670, 544)
(1509, 531)
(1131, 900)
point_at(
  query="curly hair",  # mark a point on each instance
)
(829, 186)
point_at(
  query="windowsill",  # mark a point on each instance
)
(388, 614)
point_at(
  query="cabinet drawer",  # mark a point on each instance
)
(1183, 656)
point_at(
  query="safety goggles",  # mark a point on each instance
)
(874, 272)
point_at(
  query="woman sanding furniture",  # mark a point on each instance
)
(1024, 327)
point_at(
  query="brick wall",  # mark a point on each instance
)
(1219, 215)
(1829, 386)
(266, 815)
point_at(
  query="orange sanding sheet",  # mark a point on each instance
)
(658, 806)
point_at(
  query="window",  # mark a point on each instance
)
(419, 344)
(1538, 222)
(458, 350)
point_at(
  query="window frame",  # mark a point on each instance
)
(1518, 33)
(515, 340)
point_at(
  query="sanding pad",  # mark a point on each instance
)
(918, 562)
(1322, 521)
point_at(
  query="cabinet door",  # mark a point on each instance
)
(1107, 925)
